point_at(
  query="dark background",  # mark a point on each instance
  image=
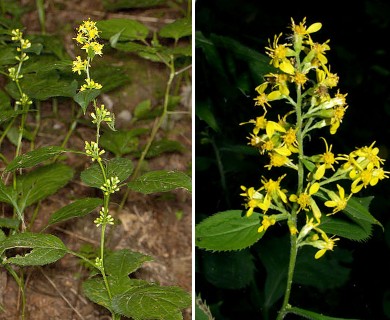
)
(359, 37)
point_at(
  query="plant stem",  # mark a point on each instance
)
(20, 282)
(293, 237)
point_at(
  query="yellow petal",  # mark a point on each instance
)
(314, 188)
(274, 95)
(287, 67)
(320, 172)
(320, 253)
(341, 191)
(330, 203)
(314, 27)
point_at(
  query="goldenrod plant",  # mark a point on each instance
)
(305, 187)
(32, 175)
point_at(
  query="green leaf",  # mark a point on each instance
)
(117, 167)
(5, 104)
(7, 55)
(142, 109)
(228, 230)
(350, 229)
(177, 29)
(6, 115)
(96, 291)
(359, 209)
(129, 29)
(121, 263)
(313, 315)
(42, 182)
(43, 86)
(84, 98)
(77, 208)
(202, 310)
(9, 223)
(204, 111)
(315, 272)
(152, 302)
(163, 146)
(161, 181)
(35, 157)
(46, 248)
(121, 142)
(228, 270)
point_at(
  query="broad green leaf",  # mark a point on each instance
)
(84, 98)
(43, 86)
(35, 157)
(46, 248)
(315, 272)
(110, 77)
(9, 114)
(162, 146)
(9, 223)
(96, 291)
(5, 104)
(227, 230)
(121, 263)
(177, 29)
(7, 194)
(161, 181)
(77, 208)
(306, 314)
(7, 55)
(357, 231)
(114, 5)
(128, 29)
(117, 167)
(142, 109)
(42, 182)
(121, 142)
(152, 302)
(228, 270)
(359, 209)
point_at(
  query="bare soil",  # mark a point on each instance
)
(158, 225)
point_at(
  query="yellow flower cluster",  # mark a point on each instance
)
(87, 36)
(303, 79)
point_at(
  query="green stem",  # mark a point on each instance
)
(221, 171)
(293, 237)
(20, 282)
(102, 246)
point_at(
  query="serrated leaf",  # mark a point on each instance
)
(84, 98)
(313, 315)
(42, 182)
(78, 208)
(360, 231)
(177, 29)
(359, 209)
(163, 146)
(161, 181)
(228, 270)
(35, 157)
(121, 263)
(95, 290)
(152, 302)
(117, 167)
(46, 248)
(129, 29)
(227, 230)
(121, 142)
(202, 310)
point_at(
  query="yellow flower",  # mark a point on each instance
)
(254, 200)
(90, 84)
(338, 202)
(266, 223)
(327, 159)
(262, 98)
(79, 65)
(324, 245)
(290, 140)
(279, 53)
(273, 189)
(306, 201)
